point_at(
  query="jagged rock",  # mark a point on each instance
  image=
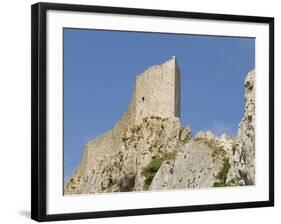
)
(242, 162)
(224, 141)
(185, 134)
(205, 135)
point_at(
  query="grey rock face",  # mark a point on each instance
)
(242, 162)
(194, 166)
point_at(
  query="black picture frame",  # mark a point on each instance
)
(39, 122)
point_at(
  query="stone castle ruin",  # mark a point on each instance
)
(156, 93)
(148, 149)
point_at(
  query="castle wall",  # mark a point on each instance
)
(109, 143)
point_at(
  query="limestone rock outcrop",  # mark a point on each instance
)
(242, 162)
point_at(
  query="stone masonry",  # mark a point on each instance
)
(157, 92)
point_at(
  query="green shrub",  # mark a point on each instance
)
(154, 165)
(222, 175)
(150, 171)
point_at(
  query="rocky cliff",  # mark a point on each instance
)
(158, 153)
(242, 163)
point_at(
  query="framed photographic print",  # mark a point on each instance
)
(139, 111)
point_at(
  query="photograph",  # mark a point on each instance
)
(145, 111)
(152, 111)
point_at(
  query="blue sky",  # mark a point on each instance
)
(100, 69)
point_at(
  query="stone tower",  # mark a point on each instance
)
(157, 91)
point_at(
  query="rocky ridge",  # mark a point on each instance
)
(159, 153)
(242, 162)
